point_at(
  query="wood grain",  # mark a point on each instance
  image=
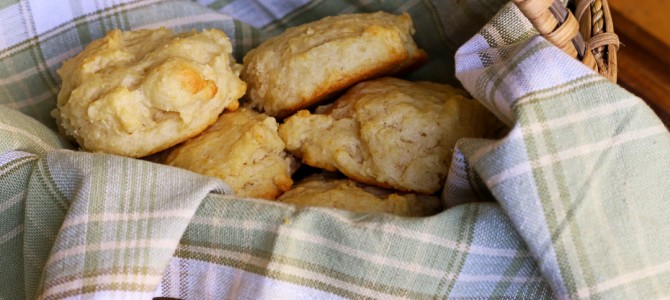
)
(644, 58)
(652, 15)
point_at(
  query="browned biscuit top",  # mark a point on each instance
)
(139, 92)
(310, 62)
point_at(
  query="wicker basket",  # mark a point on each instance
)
(588, 37)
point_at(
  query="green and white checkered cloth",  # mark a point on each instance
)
(572, 203)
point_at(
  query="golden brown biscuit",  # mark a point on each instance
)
(389, 132)
(244, 150)
(327, 191)
(310, 62)
(136, 93)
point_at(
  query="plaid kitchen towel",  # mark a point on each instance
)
(571, 203)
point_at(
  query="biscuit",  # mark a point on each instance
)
(325, 191)
(389, 132)
(244, 150)
(310, 62)
(139, 92)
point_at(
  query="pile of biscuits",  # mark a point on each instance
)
(318, 94)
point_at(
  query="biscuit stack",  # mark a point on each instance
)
(386, 143)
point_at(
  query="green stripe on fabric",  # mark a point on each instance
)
(490, 39)
(25, 82)
(354, 257)
(241, 44)
(511, 271)
(96, 18)
(600, 129)
(45, 179)
(432, 9)
(306, 13)
(569, 207)
(479, 189)
(441, 63)
(573, 86)
(549, 214)
(8, 170)
(456, 262)
(13, 178)
(96, 287)
(249, 267)
(45, 209)
(7, 3)
(90, 273)
(500, 76)
(275, 257)
(43, 69)
(510, 34)
(219, 4)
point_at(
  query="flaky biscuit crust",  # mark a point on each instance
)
(310, 62)
(326, 191)
(389, 133)
(242, 148)
(139, 92)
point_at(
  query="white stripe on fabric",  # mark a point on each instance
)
(108, 246)
(31, 101)
(369, 257)
(27, 134)
(514, 135)
(12, 201)
(549, 159)
(594, 113)
(288, 270)
(184, 214)
(232, 283)
(11, 156)
(115, 278)
(498, 278)
(456, 180)
(610, 237)
(468, 55)
(553, 201)
(570, 86)
(110, 295)
(259, 13)
(13, 30)
(11, 234)
(620, 280)
(577, 117)
(324, 242)
(572, 70)
(432, 239)
(86, 20)
(458, 175)
(43, 11)
(17, 77)
(176, 22)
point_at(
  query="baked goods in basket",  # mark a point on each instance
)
(244, 150)
(310, 62)
(139, 92)
(330, 191)
(389, 132)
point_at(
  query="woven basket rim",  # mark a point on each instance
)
(589, 37)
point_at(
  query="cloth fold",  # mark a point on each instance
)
(580, 174)
(569, 204)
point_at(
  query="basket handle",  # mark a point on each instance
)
(559, 26)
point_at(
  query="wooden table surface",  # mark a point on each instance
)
(644, 57)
